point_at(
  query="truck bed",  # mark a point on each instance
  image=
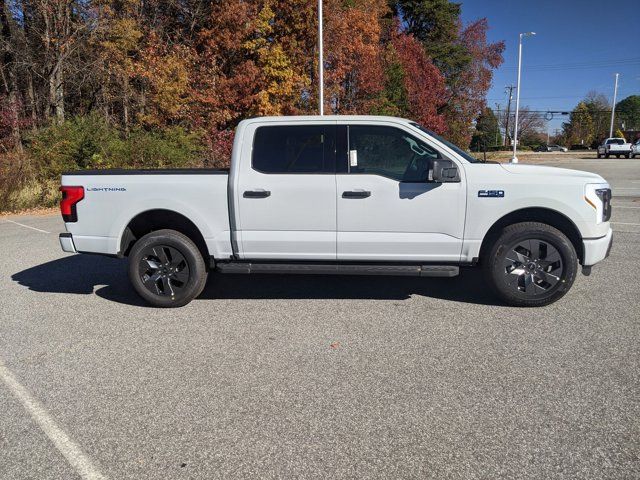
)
(113, 198)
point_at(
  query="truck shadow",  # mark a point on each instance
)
(107, 277)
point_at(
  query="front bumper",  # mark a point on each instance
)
(597, 249)
(66, 243)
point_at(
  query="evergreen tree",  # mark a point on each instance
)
(628, 111)
(487, 131)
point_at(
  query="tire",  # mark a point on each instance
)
(628, 155)
(606, 155)
(599, 156)
(167, 269)
(531, 264)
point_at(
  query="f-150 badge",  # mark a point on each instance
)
(491, 193)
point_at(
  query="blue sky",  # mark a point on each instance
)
(579, 46)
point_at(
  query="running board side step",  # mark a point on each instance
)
(339, 269)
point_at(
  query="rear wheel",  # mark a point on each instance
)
(167, 269)
(531, 264)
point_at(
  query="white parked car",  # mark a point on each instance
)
(614, 146)
(635, 149)
(343, 195)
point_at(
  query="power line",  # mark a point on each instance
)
(579, 65)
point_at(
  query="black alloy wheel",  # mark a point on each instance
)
(532, 267)
(167, 269)
(530, 264)
(163, 270)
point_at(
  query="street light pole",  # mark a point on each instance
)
(613, 107)
(515, 127)
(320, 61)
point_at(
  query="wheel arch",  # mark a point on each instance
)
(159, 219)
(547, 216)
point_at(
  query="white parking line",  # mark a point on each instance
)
(26, 226)
(67, 447)
(622, 223)
(623, 206)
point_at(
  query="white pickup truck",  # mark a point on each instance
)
(343, 195)
(614, 146)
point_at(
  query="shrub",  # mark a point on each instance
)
(91, 142)
(79, 143)
(31, 179)
(173, 147)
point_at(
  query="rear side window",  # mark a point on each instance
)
(615, 141)
(294, 149)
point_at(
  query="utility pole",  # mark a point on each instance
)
(613, 107)
(320, 61)
(508, 88)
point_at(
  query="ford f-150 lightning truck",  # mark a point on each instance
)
(342, 195)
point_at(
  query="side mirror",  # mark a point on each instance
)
(444, 171)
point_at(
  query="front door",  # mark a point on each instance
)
(388, 210)
(287, 196)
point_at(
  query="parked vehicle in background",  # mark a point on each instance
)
(635, 149)
(551, 148)
(614, 146)
(343, 195)
(579, 146)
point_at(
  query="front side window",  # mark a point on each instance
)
(294, 149)
(389, 152)
(469, 158)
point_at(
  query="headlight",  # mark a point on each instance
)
(598, 195)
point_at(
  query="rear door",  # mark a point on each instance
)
(286, 193)
(388, 210)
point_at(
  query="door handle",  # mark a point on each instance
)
(356, 194)
(256, 194)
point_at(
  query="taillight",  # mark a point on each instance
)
(70, 197)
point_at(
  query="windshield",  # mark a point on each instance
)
(456, 149)
(615, 141)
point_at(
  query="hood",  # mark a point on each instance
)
(518, 168)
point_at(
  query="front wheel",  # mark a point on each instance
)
(167, 269)
(531, 264)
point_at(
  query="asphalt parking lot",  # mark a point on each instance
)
(317, 377)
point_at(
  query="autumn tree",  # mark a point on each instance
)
(579, 129)
(530, 126)
(354, 72)
(461, 53)
(422, 81)
(599, 109)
